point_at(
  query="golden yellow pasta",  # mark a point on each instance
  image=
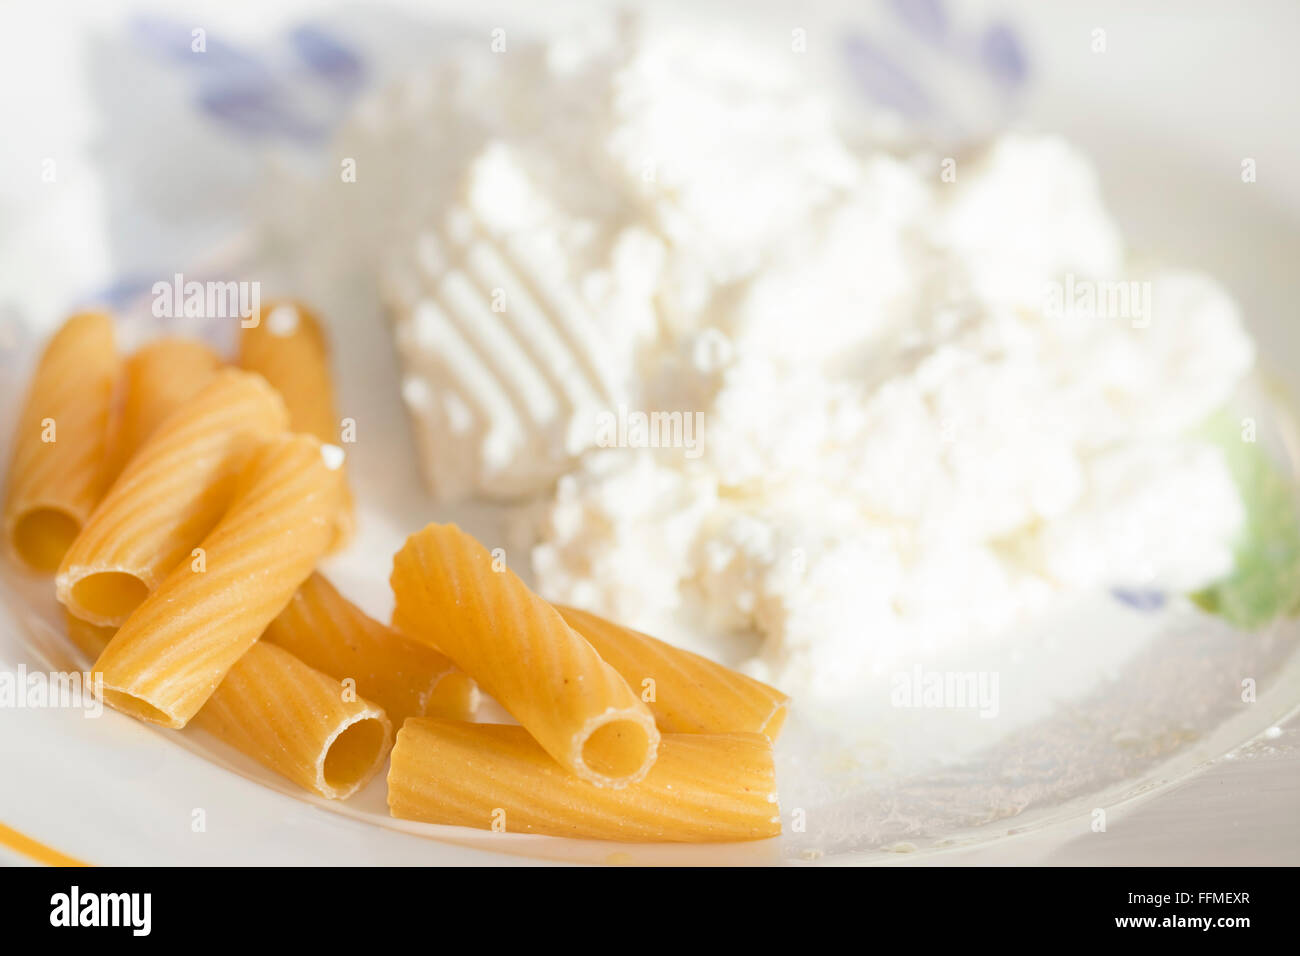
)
(170, 495)
(156, 381)
(288, 348)
(176, 647)
(184, 508)
(328, 632)
(298, 722)
(451, 593)
(90, 638)
(56, 473)
(691, 694)
(702, 788)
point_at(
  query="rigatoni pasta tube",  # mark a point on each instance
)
(408, 679)
(176, 647)
(157, 379)
(298, 722)
(91, 639)
(702, 788)
(687, 693)
(451, 592)
(170, 495)
(56, 472)
(287, 347)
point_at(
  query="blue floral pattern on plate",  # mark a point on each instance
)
(912, 56)
(263, 94)
(1140, 599)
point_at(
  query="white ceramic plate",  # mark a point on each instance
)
(1099, 704)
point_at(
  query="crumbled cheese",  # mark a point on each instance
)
(917, 432)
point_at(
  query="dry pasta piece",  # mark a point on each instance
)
(56, 473)
(171, 494)
(691, 694)
(451, 593)
(91, 639)
(157, 380)
(287, 347)
(295, 720)
(176, 647)
(702, 788)
(408, 679)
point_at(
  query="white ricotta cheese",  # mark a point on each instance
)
(929, 408)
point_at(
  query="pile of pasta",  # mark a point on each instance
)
(183, 505)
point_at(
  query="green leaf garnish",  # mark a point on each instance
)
(1265, 580)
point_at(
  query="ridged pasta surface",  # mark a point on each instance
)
(56, 472)
(157, 379)
(91, 639)
(289, 349)
(298, 722)
(330, 633)
(451, 592)
(170, 496)
(692, 694)
(177, 646)
(702, 788)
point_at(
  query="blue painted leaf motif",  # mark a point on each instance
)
(884, 79)
(326, 56)
(1002, 55)
(927, 18)
(162, 37)
(123, 290)
(257, 110)
(914, 67)
(243, 91)
(174, 41)
(247, 108)
(1139, 599)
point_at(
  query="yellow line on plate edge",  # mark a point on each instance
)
(35, 851)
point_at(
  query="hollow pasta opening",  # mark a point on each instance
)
(43, 535)
(109, 594)
(617, 748)
(354, 754)
(135, 707)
